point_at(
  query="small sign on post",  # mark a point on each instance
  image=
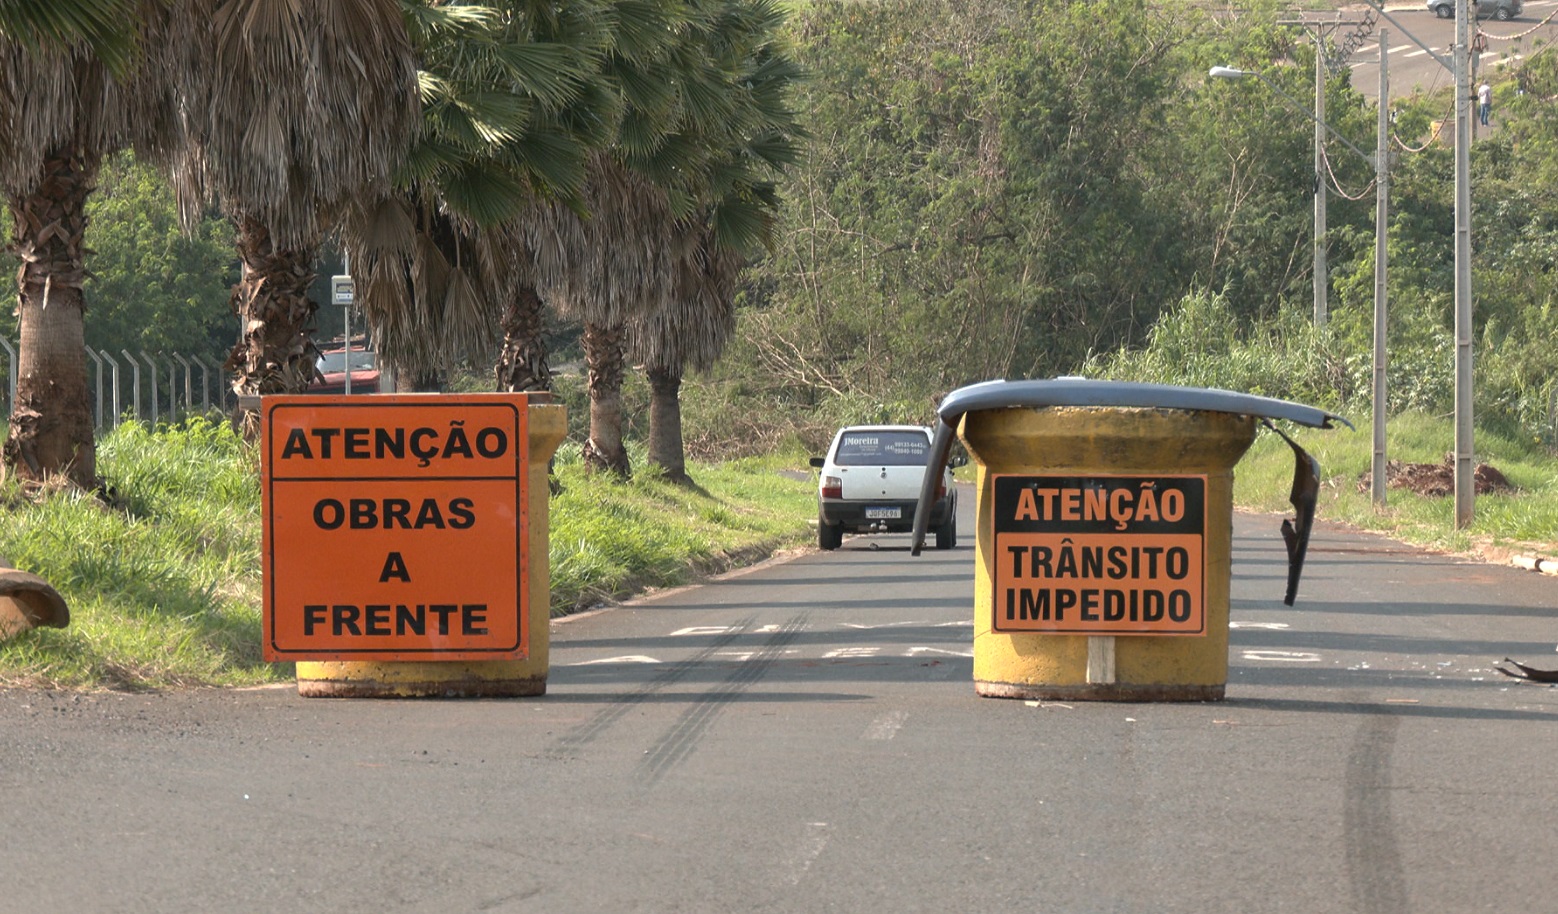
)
(1100, 555)
(343, 291)
(397, 529)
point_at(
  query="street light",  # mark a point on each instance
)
(1235, 73)
(1381, 162)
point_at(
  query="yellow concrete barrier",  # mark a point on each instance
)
(548, 426)
(1105, 531)
(1089, 442)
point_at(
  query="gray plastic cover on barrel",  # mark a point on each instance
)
(1086, 392)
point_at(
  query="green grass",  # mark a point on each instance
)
(165, 586)
(611, 538)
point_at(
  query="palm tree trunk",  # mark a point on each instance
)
(51, 421)
(274, 353)
(522, 364)
(432, 381)
(605, 356)
(665, 424)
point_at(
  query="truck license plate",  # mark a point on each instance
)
(884, 513)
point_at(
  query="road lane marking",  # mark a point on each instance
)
(937, 650)
(694, 722)
(706, 630)
(573, 741)
(886, 727)
(851, 652)
(812, 843)
(627, 658)
(861, 626)
(1271, 626)
(1283, 656)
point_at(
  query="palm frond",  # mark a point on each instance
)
(468, 326)
(105, 29)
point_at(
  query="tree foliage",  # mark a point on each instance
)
(1042, 188)
(980, 199)
(151, 286)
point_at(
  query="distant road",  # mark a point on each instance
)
(1413, 69)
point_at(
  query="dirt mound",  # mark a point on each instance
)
(1436, 479)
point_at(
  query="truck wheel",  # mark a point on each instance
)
(947, 533)
(829, 536)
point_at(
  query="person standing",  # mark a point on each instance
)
(1484, 102)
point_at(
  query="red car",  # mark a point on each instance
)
(332, 372)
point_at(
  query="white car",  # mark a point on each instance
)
(871, 482)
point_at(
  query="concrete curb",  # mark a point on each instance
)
(1539, 564)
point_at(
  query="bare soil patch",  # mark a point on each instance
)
(1437, 480)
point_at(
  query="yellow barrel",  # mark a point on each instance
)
(1092, 441)
(548, 426)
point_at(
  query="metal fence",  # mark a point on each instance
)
(166, 391)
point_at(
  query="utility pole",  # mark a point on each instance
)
(1465, 490)
(1322, 29)
(1322, 272)
(1381, 198)
(1460, 68)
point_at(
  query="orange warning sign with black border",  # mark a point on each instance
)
(395, 527)
(1100, 555)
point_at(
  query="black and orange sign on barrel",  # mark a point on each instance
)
(395, 527)
(1100, 555)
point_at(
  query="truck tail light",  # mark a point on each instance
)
(832, 487)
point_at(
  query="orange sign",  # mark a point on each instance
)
(1100, 555)
(395, 527)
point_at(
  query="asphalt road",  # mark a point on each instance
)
(1412, 68)
(804, 737)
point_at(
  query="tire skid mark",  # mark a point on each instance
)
(602, 721)
(684, 735)
(1374, 864)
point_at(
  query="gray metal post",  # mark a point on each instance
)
(1465, 489)
(153, 365)
(189, 390)
(114, 367)
(99, 403)
(10, 371)
(205, 383)
(137, 366)
(173, 388)
(1381, 183)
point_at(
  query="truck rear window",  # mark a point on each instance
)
(891, 449)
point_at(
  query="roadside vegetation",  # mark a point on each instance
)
(164, 582)
(987, 190)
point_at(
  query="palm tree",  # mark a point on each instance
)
(688, 332)
(510, 111)
(755, 143)
(293, 111)
(69, 94)
(678, 99)
(613, 262)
